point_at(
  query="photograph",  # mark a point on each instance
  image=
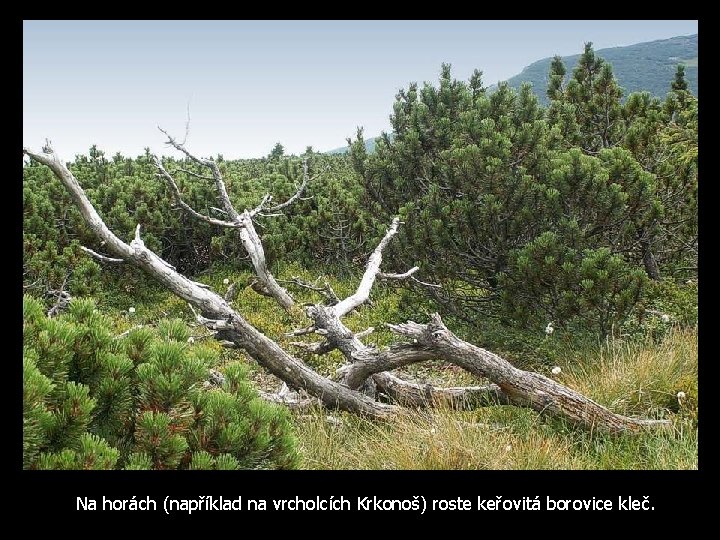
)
(373, 245)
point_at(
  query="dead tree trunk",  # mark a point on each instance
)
(434, 340)
(518, 387)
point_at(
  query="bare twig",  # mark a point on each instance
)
(297, 194)
(103, 258)
(384, 275)
(326, 290)
(179, 201)
(62, 299)
(425, 284)
(266, 199)
(187, 124)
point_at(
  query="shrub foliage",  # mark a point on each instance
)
(145, 399)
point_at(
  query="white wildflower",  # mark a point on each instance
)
(556, 370)
(681, 395)
(508, 448)
(131, 310)
(665, 318)
(191, 339)
(226, 281)
(432, 430)
(549, 328)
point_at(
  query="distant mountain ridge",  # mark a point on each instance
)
(649, 66)
(369, 146)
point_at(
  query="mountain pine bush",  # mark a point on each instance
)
(140, 400)
(531, 214)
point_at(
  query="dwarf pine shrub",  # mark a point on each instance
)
(141, 400)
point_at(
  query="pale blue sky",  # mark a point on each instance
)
(251, 84)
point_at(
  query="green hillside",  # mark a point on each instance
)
(369, 145)
(646, 66)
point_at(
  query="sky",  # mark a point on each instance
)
(250, 84)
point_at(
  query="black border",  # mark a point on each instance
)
(36, 498)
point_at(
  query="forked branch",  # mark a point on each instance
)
(239, 220)
(170, 181)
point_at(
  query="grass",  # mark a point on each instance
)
(637, 377)
(640, 379)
